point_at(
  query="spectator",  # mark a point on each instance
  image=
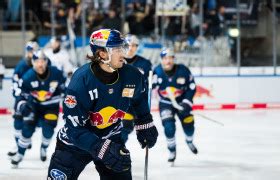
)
(113, 21)
(60, 16)
(59, 57)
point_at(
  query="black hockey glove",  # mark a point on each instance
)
(146, 132)
(113, 155)
(25, 109)
(17, 115)
(186, 107)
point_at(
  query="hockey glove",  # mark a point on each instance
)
(25, 109)
(113, 155)
(186, 107)
(146, 132)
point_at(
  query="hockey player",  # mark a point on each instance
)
(59, 57)
(97, 99)
(176, 88)
(38, 102)
(22, 67)
(144, 66)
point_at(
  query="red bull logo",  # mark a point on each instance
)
(106, 117)
(201, 91)
(41, 95)
(102, 34)
(70, 101)
(174, 91)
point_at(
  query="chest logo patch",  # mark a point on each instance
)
(41, 95)
(128, 92)
(106, 117)
(181, 80)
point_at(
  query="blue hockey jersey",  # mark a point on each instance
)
(143, 65)
(21, 68)
(181, 84)
(44, 92)
(93, 110)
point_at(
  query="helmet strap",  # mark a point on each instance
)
(108, 62)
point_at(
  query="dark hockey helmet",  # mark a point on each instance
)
(131, 39)
(39, 54)
(31, 46)
(105, 38)
(167, 52)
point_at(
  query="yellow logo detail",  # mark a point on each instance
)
(128, 116)
(188, 119)
(51, 117)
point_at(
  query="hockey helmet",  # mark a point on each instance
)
(39, 54)
(132, 39)
(105, 38)
(31, 46)
(167, 52)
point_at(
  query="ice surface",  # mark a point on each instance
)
(246, 148)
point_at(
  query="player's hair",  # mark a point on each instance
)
(95, 58)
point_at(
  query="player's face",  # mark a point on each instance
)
(55, 44)
(40, 66)
(132, 48)
(117, 57)
(29, 54)
(167, 62)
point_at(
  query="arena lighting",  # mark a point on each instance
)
(233, 32)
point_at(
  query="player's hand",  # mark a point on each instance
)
(26, 109)
(185, 107)
(113, 155)
(146, 132)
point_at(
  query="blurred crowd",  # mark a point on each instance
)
(138, 19)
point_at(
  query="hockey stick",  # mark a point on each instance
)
(207, 118)
(150, 78)
(177, 106)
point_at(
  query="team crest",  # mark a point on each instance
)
(110, 91)
(34, 84)
(128, 92)
(57, 174)
(53, 84)
(70, 101)
(181, 80)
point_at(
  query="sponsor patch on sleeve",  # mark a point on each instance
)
(70, 101)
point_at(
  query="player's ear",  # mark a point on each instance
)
(103, 54)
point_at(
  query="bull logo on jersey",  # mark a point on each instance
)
(106, 117)
(171, 90)
(70, 101)
(41, 95)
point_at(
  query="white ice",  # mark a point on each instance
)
(247, 147)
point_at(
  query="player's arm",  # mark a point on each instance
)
(155, 80)
(76, 107)
(23, 100)
(15, 81)
(145, 130)
(190, 89)
(76, 114)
